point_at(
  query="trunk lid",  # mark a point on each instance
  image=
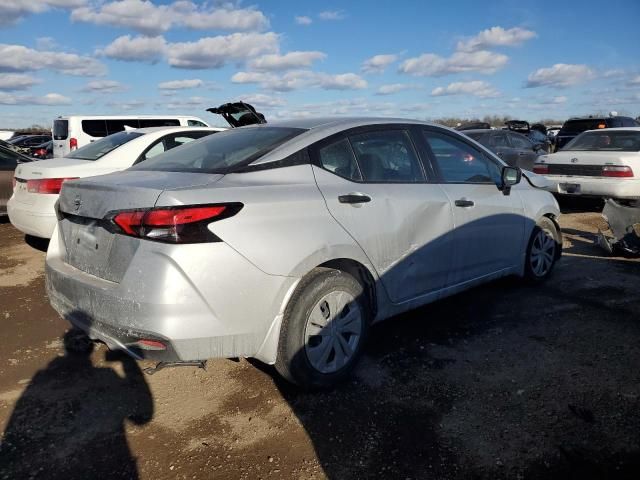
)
(239, 114)
(89, 243)
(587, 163)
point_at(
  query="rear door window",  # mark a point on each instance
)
(387, 157)
(520, 142)
(459, 162)
(159, 122)
(94, 128)
(338, 158)
(500, 140)
(115, 126)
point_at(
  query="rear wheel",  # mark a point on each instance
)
(543, 250)
(323, 329)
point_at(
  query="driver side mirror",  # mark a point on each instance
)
(509, 177)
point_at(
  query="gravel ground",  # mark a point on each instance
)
(504, 381)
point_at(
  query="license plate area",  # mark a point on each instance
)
(88, 245)
(570, 188)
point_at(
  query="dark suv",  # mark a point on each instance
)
(574, 126)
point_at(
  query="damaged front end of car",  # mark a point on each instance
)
(624, 224)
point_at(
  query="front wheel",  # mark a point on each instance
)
(323, 329)
(543, 250)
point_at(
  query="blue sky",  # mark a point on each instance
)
(416, 59)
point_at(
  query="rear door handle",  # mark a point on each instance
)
(463, 202)
(522, 153)
(354, 198)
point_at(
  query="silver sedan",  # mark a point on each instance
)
(284, 242)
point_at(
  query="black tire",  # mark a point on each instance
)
(548, 228)
(293, 362)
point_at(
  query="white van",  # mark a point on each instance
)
(75, 131)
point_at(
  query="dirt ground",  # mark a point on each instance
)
(505, 381)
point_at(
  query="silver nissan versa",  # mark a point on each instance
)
(286, 241)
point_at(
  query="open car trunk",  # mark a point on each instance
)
(239, 114)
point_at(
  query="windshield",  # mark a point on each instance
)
(99, 148)
(606, 140)
(223, 152)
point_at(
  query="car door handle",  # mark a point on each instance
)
(463, 202)
(522, 153)
(354, 198)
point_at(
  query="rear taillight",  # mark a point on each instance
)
(185, 224)
(73, 143)
(147, 344)
(47, 185)
(617, 171)
(541, 168)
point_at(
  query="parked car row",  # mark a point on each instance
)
(282, 242)
(285, 241)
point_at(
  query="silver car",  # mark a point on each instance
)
(284, 242)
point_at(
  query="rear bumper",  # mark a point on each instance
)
(201, 300)
(38, 222)
(595, 187)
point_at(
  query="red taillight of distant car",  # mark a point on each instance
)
(185, 224)
(73, 143)
(47, 185)
(541, 168)
(617, 171)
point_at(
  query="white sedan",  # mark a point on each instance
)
(599, 163)
(38, 184)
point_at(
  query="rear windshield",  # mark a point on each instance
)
(60, 129)
(223, 152)
(99, 148)
(579, 126)
(606, 140)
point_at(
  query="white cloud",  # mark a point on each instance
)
(287, 61)
(132, 49)
(302, 79)
(151, 19)
(262, 100)
(303, 20)
(378, 63)
(215, 52)
(432, 65)
(13, 10)
(127, 104)
(634, 81)
(181, 84)
(18, 58)
(17, 81)
(476, 88)
(24, 100)
(104, 86)
(395, 88)
(190, 102)
(46, 43)
(559, 75)
(332, 15)
(614, 73)
(496, 37)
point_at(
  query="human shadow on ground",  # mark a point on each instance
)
(70, 420)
